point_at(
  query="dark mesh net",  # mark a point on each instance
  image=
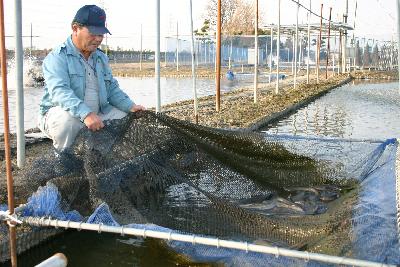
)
(151, 168)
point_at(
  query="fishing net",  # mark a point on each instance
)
(328, 196)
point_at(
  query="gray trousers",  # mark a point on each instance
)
(62, 128)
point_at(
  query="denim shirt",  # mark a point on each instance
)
(64, 74)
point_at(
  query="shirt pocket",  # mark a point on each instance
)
(76, 77)
(107, 77)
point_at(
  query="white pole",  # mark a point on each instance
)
(295, 46)
(177, 47)
(309, 44)
(256, 52)
(271, 54)
(344, 43)
(398, 39)
(57, 260)
(19, 59)
(193, 67)
(278, 47)
(141, 47)
(201, 240)
(157, 58)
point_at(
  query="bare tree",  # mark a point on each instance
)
(237, 16)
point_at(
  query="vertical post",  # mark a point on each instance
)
(329, 43)
(256, 52)
(271, 54)
(177, 47)
(31, 47)
(196, 116)
(398, 39)
(344, 43)
(319, 44)
(278, 47)
(309, 44)
(218, 59)
(293, 51)
(141, 47)
(295, 46)
(157, 58)
(266, 52)
(10, 185)
(19, 59)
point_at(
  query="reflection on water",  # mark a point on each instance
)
(141, 90)
(360, 111)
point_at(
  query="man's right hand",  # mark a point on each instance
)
(93, 122)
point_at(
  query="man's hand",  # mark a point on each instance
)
(93, 122)
(137, 108)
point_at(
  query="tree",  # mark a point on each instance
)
(357, 54)
(366, 56)
(375, 56)
(237, 16)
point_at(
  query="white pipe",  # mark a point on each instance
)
(57, 260)
(141, 47)
(278, 47)
(256, 52)
(309, 44)
(270, 59)
(398, 39)
(295, 46)
(157, 58)
(177, 47)
(193, 58)
(201, 240)
(19, 60)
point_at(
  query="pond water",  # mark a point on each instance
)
(141, 90)
(366, 110)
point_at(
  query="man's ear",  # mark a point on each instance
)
(74, 29)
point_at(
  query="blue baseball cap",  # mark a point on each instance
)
(92, 17)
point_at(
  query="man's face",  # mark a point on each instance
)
(84, 40)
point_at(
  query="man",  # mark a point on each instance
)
(80, 90)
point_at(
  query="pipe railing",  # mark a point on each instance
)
(199, 240)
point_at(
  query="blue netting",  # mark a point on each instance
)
(47, 202)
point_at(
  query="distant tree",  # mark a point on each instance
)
(357, 54)
(366, 56)
(237, 16)
(375, 56)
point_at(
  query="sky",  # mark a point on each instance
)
(50, 19)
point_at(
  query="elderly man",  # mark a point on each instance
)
(79, 87)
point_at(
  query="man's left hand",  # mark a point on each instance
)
(137, 108)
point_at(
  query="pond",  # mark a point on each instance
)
(141, 90)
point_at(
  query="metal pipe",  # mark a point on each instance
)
(30, 50)
(201, 240)
(295, 46)
(157, 58)
(271, 54)
(256, 52)
(19, 59)
(57, 260)
(329, 38)
(177, 47)
(141, 47)
(309, 44)
(344, 59)
(7, 149)
(398, 39)
(195, 105)
(319, 44)
(278, 47)
(218, 60)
